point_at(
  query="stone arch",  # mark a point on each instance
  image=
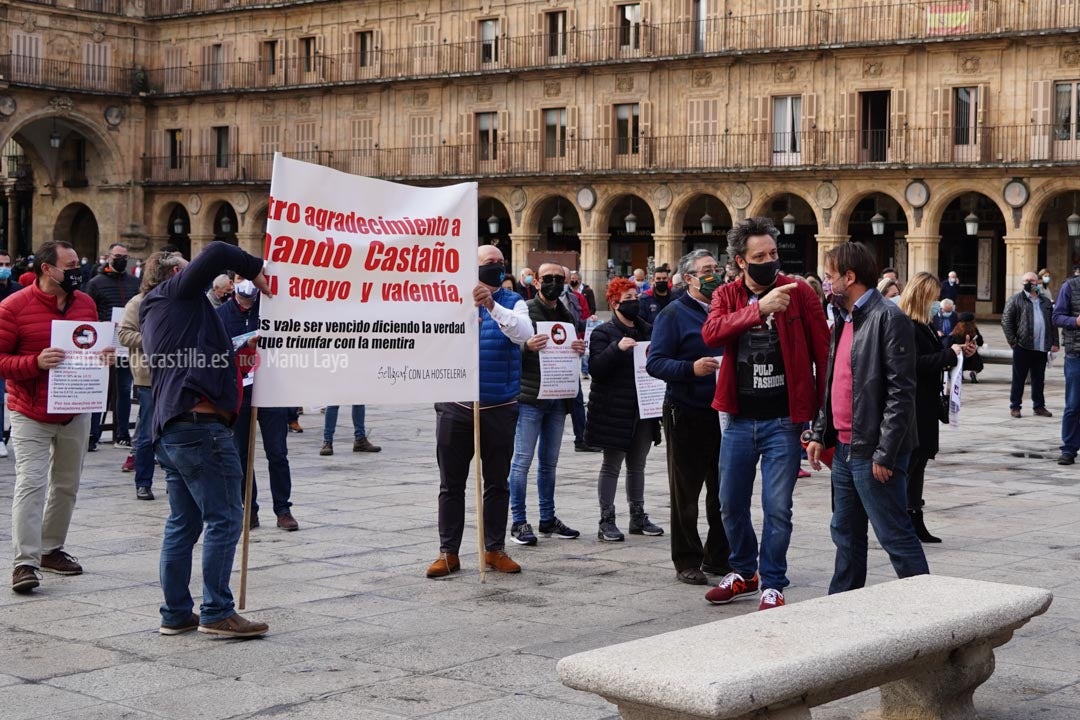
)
(204, 224)
(1041, 197)
(77, 224)
(161, 214)
(530, 219)
(941, 197)
(680, 205)
(841, 213)
(760, 204)
(610, 199)
(108, 150)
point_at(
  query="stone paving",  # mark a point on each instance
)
(358, 632)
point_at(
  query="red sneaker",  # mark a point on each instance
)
(129, 464)
(802, 474)
(771, 599)
(732, 587)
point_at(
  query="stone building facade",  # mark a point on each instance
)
(953, 124)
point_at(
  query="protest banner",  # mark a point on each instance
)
(560, 365)
(80, 383)
(117, 318)
(956, 383)
(650, 390)
(372, 284)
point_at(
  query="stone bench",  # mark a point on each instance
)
(927, 642)
(996, 356)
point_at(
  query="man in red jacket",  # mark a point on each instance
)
(772, 380)
(49, 448)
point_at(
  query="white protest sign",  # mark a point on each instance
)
(560, 365)
(956, 383)
(650, 391)
(373, 286)
(79, 384)
(117, 317)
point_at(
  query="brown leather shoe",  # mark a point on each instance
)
(1043, 412)
(446, 564)
(364, 445)
(499, 561)
(25, 579)
(1015, 412)
(61, 563)
(286, 521)
(235, 626)
(326, 449)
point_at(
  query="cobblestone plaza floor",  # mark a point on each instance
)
(356, 631)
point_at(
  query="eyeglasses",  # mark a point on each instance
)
(550, 279)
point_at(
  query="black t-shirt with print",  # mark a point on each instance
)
(761, 379)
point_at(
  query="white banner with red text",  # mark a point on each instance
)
(372, 284)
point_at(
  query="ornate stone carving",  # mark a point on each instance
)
(785, 73)
(61, 47)
(97, 32)
(303, 105)
(624, 83)
(420, 98)
(114, 115)
(741, 196)
(194, 204)
(970, 64)
(1070, 57)
(241, 203)
(662, 197)
(29, 23)
(360, 102)
(172, 113)
(701, 78)
(8, 106)
(219, 110)
(518, 199)
(268, 107)
(872, 68)
(552, 88)
(483, 93)
(826, 195)
(61, 103)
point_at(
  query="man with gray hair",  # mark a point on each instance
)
(220, 291)
(1031, 333)
(945, 320)
(679, 357)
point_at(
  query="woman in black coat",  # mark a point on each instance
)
(612, 423)
(931, 361)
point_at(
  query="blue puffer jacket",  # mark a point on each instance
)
(500, 358)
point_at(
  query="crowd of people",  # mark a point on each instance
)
(762, 370)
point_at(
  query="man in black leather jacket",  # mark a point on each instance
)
(873, 430)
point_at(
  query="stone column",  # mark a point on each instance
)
(251, 242)
(667, 248)
(594, 253)
(198, 242)
(12, 222)
(1021, 256)
(825, 243)
(521, 244)
(923, 254)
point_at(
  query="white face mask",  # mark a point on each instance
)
(1046, 279)
(952, 281)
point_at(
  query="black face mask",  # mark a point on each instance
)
(551, 290)
(72, 280)
(491, 274)
(763, 274)
(661, 287)
(119, 264)
(629, 309)
(1029, 286)
(574, 283)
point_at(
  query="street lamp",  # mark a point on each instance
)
(971, 224)
(1073, 221)
(226, 225)
(877, 224)
(557, 223)
(631, 222)
(493, 224)
(178, 226)
(54, 137)
(706, 223)
(789, 224)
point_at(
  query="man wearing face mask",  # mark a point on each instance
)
(527, 283)
(657, 297)
(950, 289)
(49, 447)
(504, 327)
(112, 288)
(585, 291)
(679, 357)
(775, 340)
(540, 420)
(1031, 333)
(869, 416)
(220, 291)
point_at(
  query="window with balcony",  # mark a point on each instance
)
(175, 140)
(307, 54)
(424, 50)
(306, 145)
(489, 41)
(874, 126)
(268, 57)
(629, 17)
(627, 129)
(221, 147)
(700, 13)
(26, 57)
(487, 136)
(364, 46)
(786, 123)
(555, 133)
(965, 115)
(96, 58)
(556, 34)
(1065, 110)
(213, 71)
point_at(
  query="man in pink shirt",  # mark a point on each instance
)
(873, 430)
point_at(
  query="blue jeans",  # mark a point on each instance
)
(274, 425)
(544, 422)
(1070, 421)
(858, 498)
(121, 380)
(144, 439)
(776, 444)
(577, 418)
(330, 424)
(202, 472)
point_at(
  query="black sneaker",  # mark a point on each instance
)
(556, 527)
(122, 443)
(522, 534)
(144, 493)
(92, 447)
(1066, 459)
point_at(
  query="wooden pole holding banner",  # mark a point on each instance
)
(249, 482)
(479, 491)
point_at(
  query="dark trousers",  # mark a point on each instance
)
(274, 425)
(1023, 361)
(454, 452)
(916, 476)
(693, 459)
(577, 418)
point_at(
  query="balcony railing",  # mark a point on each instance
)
(911, 22)
(110, 7)
(65, 75)
(909, 147)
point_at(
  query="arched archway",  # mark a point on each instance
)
(77, 225)
(797, 222)
(493, 227)
(559, 224)
(631, 224)
(225, 224)
(702, 220)
(880, 223)
(978, 257)
(178, 229)
(1060, 244)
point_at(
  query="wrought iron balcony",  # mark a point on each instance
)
(35, 72)
(1006, 146)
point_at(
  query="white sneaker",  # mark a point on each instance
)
(3, 450)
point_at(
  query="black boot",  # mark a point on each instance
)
(920, 527)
